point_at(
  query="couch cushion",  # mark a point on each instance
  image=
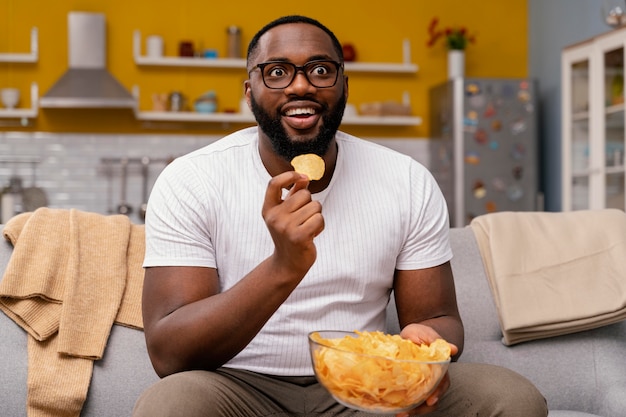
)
(13, 364)
(122, 374)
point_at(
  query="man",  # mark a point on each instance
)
(245, 257)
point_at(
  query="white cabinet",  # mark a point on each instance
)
(593, 128)
(404, 67)
(25, 57)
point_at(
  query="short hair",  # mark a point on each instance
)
(254, 42)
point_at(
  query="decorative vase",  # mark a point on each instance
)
(456, 64)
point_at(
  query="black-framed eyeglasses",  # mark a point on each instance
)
(280, 74)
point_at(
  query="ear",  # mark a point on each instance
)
(246, 91)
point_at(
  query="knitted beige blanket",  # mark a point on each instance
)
(554, 273)
(72, 275)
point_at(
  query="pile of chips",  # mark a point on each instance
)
(376, 372)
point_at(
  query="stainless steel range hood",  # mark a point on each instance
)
(87, 83)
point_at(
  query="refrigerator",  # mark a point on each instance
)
(484, 148)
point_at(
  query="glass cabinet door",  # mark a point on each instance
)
(614, 129)
(579, 150)
(594, 123)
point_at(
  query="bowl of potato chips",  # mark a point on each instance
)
(376, 372)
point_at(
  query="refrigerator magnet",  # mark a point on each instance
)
(472, 89)
(518, 151)
(472, 158)
(479, 190)
(481, 136)
(477, 101)
(518, 127)
(490, 111)
(508, 91)
(523, 96)
(469, 124)
(515, 192)
(498, 184)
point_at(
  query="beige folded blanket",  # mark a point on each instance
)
(554, 273)
(72, 274)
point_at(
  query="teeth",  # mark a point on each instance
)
(295, 112)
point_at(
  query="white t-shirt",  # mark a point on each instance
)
(382, 211)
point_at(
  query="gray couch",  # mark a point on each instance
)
(582, 374)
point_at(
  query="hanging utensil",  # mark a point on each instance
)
(124, 207)
(34, 197)
(108, 173)
(11, 203)
(145, 165)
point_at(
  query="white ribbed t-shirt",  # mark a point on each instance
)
(382, 211)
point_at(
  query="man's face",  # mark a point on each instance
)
(299, 118)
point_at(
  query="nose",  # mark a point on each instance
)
(299, 84)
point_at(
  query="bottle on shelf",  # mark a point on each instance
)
(234, 42)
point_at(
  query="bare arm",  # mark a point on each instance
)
(189, 324)
(426, 303)
(427, 309)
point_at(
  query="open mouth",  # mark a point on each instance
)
(301, 117)
(300, 111)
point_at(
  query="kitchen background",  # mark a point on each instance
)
(68, 149)
(84, 171)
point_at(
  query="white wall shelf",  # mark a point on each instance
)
(189, 116)
(26, 57)
(24, 113)
(406, 66)
(382, 120)
(227, 118)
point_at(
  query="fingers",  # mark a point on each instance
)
(286, 180)
(301, 184)
(296, 203)
(439, 391)
(430, 404)
(419, 333)
(296, 217)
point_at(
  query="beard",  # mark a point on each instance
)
(288, 148)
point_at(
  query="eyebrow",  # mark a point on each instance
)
(320, 57)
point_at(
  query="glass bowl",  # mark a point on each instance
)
(372, 383)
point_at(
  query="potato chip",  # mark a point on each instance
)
(376, 372)
(309, 164)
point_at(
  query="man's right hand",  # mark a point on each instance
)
(293, 222)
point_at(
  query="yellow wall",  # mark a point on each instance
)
(376, 30)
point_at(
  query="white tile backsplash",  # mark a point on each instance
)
(70, 166)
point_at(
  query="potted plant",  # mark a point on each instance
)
(456, 39)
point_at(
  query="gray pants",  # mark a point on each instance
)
(475, 390)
